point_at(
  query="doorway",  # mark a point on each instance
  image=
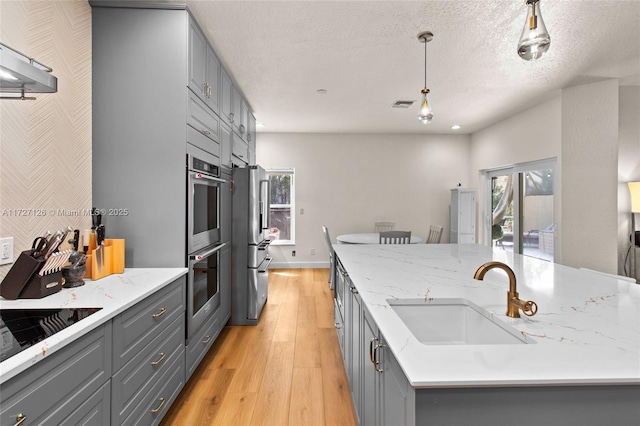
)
(521, 208)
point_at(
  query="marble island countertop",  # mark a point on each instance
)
(586, 331)
(114, 294)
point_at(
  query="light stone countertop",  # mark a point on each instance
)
(114, 294)
(587, 329)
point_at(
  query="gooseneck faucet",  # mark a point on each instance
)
(514, 304)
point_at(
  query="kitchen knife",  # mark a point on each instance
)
(76, 239)
(99, 253)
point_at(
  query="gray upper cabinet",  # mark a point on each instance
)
(226, 95)
(239, 122)
(204, 68)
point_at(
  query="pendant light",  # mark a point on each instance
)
(426, 112)
(534, 41)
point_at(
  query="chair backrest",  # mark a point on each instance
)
(435, 234)
(395, 237)
(383, 226)
(325, 231)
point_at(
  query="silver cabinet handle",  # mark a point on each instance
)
(373, 354)
(231, 117)
(241, 128)
(249, 137)
(162, 355)
(155, 410)
(206, 132)
(159, 314)
(206, 340)
(354, 290)
(20, 418)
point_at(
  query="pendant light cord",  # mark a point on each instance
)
(425, 63)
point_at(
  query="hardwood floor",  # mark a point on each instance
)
(287, 370)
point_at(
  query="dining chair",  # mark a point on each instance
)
(435, 234)
(383, 226)
(327, 238)
(395, 237)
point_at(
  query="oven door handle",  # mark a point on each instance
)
(267, 260)
(196, 175)
(208, 253)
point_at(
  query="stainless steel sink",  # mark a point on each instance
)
(454, 322)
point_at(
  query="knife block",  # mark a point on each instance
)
(105, 260)
(23, 281)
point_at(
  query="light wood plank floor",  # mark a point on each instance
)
(287, 370)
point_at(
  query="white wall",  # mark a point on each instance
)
(532, 135)
(349, 181)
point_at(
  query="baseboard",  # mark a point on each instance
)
(298, 265)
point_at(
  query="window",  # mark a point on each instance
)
(282, 210)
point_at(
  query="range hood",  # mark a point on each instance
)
(20, 74)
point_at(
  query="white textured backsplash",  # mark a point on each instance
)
(45, 144)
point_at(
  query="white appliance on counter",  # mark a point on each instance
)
(250, 249)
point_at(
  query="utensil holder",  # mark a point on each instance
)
(106, 260)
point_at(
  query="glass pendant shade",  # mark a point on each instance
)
(534, 41)
(426, 113)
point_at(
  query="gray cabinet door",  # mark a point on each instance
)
(212, 80)
(355, 348)
(370, 376)
(225, 284)
(238, 111)
(396, 395)
(197, 61)
(251, 130)
(226, 97)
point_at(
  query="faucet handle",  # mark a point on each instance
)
(530, 308)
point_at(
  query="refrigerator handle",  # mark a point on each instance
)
(264, 205)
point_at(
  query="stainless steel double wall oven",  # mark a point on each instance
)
(204, 187)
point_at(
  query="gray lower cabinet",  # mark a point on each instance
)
(72, 383)
(200, 343)
(148, 348)
(240, 151)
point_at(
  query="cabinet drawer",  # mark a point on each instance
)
(140, 324)
(48, 392)
(196, 138)
(240, 148)
(202, 118)
(142, 372)
(94, 411)
(201, 342)
(154, 405)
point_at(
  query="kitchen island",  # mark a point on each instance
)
(578, 361)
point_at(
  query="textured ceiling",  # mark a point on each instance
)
(366, 55)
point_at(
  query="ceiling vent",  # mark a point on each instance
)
(402, 104)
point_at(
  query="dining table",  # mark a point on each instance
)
(368, 238)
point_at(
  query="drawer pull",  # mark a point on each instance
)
(159, 314)
(206, 340)
(155, 410)
(206, 132)
(162, 355)
(20, 418)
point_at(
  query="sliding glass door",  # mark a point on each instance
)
(521, 208)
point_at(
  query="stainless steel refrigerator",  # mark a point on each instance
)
(250, 254)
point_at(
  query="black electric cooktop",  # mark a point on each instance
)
(23, 328)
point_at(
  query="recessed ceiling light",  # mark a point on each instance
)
(259, 124)
(322, 91)
(455, 127)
